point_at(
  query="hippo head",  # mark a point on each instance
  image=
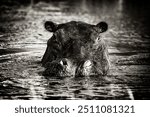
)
(75, 48)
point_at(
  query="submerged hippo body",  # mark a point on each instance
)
(75, 48)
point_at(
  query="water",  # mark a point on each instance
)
(23, 43)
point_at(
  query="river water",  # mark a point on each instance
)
(23, 43)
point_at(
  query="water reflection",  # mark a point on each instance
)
(128, 39)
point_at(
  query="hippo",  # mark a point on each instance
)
(76, 49)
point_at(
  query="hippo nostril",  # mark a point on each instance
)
(94, 63)
(63, 62)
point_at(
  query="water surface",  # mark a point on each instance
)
(23, 43)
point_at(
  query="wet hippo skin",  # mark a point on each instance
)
(75, 49)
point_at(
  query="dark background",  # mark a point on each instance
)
(23, 42)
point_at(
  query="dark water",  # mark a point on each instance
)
(23, 42)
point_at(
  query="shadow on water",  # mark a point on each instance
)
(23, 42)
(11, 50)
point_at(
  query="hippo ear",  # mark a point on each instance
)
(50, 26)
(103, 26)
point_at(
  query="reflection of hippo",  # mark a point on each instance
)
(76, 48)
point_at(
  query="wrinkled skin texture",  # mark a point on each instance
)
(77, 49)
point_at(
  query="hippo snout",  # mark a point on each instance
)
(66, 67)
(60, 68)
